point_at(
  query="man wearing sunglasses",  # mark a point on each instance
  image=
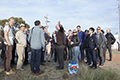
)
(101, 45)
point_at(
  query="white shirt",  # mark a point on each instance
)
(10, 34)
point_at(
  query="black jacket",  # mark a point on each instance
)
(110, 38)
(86, 41)
(76, 40)
(93, 42)
(60, 36)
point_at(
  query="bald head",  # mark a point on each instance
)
(108, 31)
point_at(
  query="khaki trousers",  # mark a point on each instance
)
(21, 56)
(48, 49)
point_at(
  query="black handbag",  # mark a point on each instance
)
(15, 40)
(29, 45)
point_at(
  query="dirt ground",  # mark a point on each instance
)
(115, 63)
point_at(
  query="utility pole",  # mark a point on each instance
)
(46, 17)
(119, 15)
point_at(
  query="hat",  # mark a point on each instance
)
(86, 30)
(22, 25)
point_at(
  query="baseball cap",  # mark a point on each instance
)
(22, 25)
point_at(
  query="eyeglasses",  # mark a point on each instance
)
(74, 32)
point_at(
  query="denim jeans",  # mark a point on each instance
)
(35, 60)
(75, 51)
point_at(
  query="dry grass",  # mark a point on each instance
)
(84, 73)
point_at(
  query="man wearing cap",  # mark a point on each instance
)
(21, 38)
(86, 47)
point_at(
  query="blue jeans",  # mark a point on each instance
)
(75, 52)
(35, 60)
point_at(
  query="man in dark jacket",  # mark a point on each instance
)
(93, 47)
(110, 41)
(60, 47)
(86, 47)
(55, 42)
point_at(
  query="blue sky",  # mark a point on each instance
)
(70, 12)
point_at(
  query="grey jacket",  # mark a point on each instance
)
(37, 38)
(101, 40)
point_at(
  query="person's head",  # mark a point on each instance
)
(22, 27)
(69, 31)
(26, 31)
(86, 32)
(6, 23)
(98, 29)
(37, 23)
(57, 27)
(79, 28)
(11, 22)
(102, 31)
(91, 30)
(44, 29)
(74, 32)
(108, 31)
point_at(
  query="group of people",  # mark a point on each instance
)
(60, 46)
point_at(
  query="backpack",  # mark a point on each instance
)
(73, 67)
(1, 37)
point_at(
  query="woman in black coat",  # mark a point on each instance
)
(75, 40)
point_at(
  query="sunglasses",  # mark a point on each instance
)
(74, 32)
(98, 29)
